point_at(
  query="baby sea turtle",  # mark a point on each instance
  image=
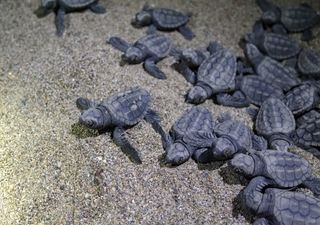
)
(120, 111)
(250, 89)
(284, 168)
(307, 134)
(300, 18)
(309, 63)
(183, 142)
(216, 74)
(302, 98)
(163, 19)
(308, 116)
(275, 122)
(276, 46)
(61, 7)
(149, 49)
(271, 70)
(277, 206)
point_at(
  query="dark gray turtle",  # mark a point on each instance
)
(307, 134)
(311, 115)
(61, 7)
(284, 168)
(251, 89)
(149, 49)
(302, 98)
(275, 122)
(120, 111)
(192, 124)
(309, 63)
(300, 18)
(276, 46)
(216, 74)
(271, 70)
(277, 206)
(163, 19)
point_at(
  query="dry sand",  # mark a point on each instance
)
(48, 163)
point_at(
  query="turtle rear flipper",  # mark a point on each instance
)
(97, 8)
(59, 21)
(126, 147)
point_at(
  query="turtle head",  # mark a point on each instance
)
(133, 55)
(176, 154)
(271, 17)
(190, 57)
(253, 54)
(95, 118)
(196, 95)
(223, 149)
(243, 164)
(280, 142)
(141, 19)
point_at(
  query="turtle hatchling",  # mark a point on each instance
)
(276, 206)
(215, 75)
(271, 70)
(250, 89)
(61, 7)
(275, 122)
(186, 136)
(299, 18)
(309, 63)
(276, 46)
(164, 20)
(149, 49)
(284, 168)
(302, 98)
(120, 111)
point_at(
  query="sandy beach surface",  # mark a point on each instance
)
(54, 171)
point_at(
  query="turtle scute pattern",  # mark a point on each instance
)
(129, 107)
(219, 71)
(287, 169)
(168, 18)
(309, 62)
(308, 133)
(294, 208)
(158, 45)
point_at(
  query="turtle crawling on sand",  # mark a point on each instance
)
(120, 111)
(61, 7)
(276, 206)
(163, 19)
(149, 49)
(284, 168)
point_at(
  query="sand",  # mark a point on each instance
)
(54, 171)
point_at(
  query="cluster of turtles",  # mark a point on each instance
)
(277, 78)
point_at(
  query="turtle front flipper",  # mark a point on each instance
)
(150, 66)
(84, 103)
(119, 44)
(186, 72)
(202, 155)
(97, 8)
(59, 21)
(313, 184)
(278, 28)
(126, 147)
(238, 100)
(186, 32)
(153, 118)
(261, 221)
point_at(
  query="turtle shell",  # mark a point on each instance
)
(308, 133)
(276, 74)
(298, 18)
(129, 107)
(155, 44)
(285, 168)
(274, 117)
(238, 131)
(168, 18)
(279, 46)
(301, 98)
(196, 118)
(311, 115)
(257, 89)
(77, 4)
(219, 71)
(290, 208)
(309, 62)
